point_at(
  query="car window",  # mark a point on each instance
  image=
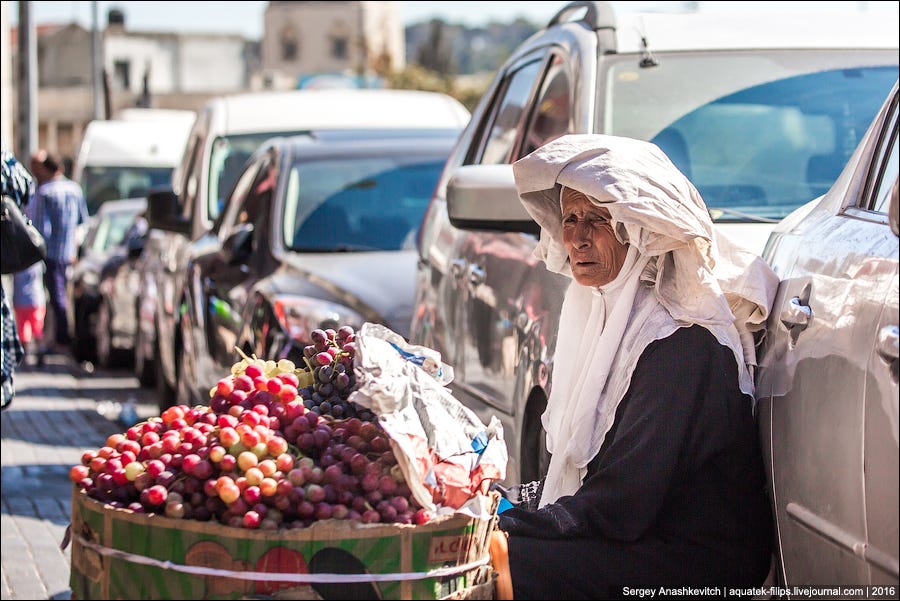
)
(508, 113)
(103, 183)
(260, 195)
(237, 200)
(552, 115)
(187, 195)
(229, 154)
(111, 230)
(358, 203)
(886, 169)
(760, 134)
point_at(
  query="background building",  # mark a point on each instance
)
(140, 69)
(304, 44)
(342, 43)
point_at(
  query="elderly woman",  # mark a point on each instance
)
(656, 476)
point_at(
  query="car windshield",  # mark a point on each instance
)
(348, 204)
(114, 183)
(111, 230)
(758, 135)
(226, 162)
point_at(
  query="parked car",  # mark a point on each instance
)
(227, 131)
(105, 231)
(115, 328)
(759, 111)
(828, 369)
(319, 232)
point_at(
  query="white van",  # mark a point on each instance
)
(126, 157)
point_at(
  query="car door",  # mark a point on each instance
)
(828, 379)
(504, 291)
(880, 453)
(229, 265)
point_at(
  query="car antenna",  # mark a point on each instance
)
(647, 58)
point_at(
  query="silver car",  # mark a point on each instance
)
(760, 118)
(827, 380)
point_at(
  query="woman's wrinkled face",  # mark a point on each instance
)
(595, 255)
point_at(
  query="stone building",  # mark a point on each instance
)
(140, 69)
(343, 43)
(304, 44)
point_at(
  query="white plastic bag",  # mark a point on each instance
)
(447, 455)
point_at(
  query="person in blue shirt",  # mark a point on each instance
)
(60, 208)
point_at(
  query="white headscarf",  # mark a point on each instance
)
(691, 275)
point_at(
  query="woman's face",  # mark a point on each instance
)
(596, 256)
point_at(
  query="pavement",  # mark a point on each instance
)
(59, 411)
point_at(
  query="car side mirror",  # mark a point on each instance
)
(484, 197)
(239, 244)
(163, 213)
(894, 210)
(135, 247)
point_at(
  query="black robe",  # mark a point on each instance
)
(675, 497)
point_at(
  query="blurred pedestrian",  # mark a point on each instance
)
(18, 185)
(59, 209)
(30, 305)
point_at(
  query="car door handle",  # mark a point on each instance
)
(476, 275)
(796, 315)
(457, 267)
(887, 344)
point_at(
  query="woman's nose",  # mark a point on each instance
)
(582, 235)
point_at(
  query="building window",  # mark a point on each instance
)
(339, 48)
(290, 49)
(122, 74)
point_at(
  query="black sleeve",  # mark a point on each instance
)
(641, 456)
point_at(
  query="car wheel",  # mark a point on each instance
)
(185, 375)
(165, 394)
(144, 369)
(535, 458)
(108, 355)
(83, 343)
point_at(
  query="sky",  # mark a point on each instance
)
(245, 17)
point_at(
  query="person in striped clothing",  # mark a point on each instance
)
(17, 184)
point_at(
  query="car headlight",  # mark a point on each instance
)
(300, 315)
(90, 279)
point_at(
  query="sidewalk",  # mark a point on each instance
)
(59, 411)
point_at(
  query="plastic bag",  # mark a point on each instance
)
(447, 455)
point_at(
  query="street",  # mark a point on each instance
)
(60, 410)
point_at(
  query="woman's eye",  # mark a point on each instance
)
(592, 221)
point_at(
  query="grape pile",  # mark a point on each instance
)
(262, 454)
(330, 360)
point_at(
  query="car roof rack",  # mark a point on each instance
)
(599, 16)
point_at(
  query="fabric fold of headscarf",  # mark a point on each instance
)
(693, 273)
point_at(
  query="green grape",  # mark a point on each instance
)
(238, 368)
